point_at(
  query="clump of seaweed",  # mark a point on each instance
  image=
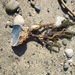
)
(48, 34)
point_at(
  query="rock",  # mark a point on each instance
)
(69, 53)
(12, 5)
(35, 27)
(59, 20)
(64, 42)
(66, 66)
(70, 61)
(19, 20)
(37, 8)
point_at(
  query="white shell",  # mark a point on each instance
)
(69, 53)
(59, 20)
(12, 5)
(19, 20)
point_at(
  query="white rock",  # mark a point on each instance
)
(19, 20)
(69, 53)
(59, 20)
(12, 5)
(70, 61)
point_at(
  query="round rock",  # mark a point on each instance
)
(12, 5)
(64, 42)
(69, 53)
(19, 20)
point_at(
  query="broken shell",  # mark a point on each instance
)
(18, 35)
(59, 20)
(35, 27)
(19, 20)
(15, 35)
(69, 53)
(12, 5)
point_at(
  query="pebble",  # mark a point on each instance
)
(19, 20)
(59, 20)
(12, 5)
(70, 61)
(37, 8)
(69, 53)
(64, 42)
(66, 66)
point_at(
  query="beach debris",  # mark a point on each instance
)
(12, 5)
(44, 32)
(23, 35)
(19, 20)
(15, 34)
(69, 52)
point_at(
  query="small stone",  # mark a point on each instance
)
(19, 20)
(35, 27)
(70, 61)
(37, 8)
(48, 10)
(12, 5)
(8, 22)
(69, 53)
(66, 66)
(64, 42)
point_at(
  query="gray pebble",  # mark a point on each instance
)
(64, 42)
(12, 5)
(66, 66)
(37, 8)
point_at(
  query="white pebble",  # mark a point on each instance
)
(19, 20)
(70, 61)
(59, 20)
(69, 53)
(12, 5)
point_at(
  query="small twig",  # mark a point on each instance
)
(68, 8)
